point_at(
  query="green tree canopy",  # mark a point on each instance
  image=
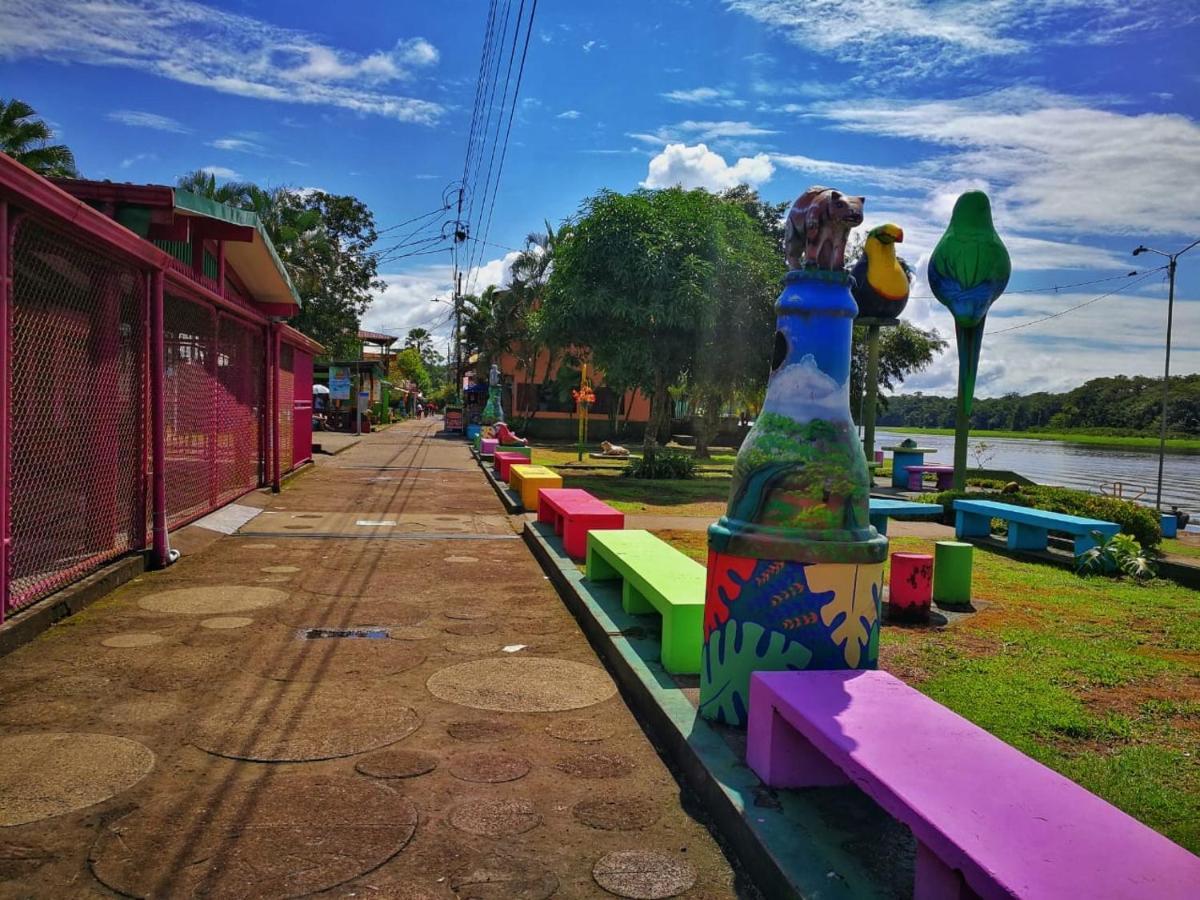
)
(407, 365)
(26, 138)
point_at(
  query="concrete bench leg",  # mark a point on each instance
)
(783, 758)
(936, 881)
(682, 639)
(971, 524)
(598, 568)
(1084, 543)
(914, 481)
(945, 480)
(633, 602)
(880, 523)
(546, 514)
(1026, 537)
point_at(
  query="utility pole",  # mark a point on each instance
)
(1172, 260)
(458, 357)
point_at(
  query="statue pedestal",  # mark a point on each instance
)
(494, 411)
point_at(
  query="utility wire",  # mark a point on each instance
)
(1055, 288)
(1144, 277)
(487, 124)
(433, 212)
(487, 39)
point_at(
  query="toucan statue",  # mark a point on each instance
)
(880, 279)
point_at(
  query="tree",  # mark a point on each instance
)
(420, 339)
(640, 280)
(903, 351)
(26, 138)
(406, 366)
(530, 276)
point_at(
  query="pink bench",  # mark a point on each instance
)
(945, 476)
(574, 513)
(503, 460)
(988, 820)
(488, 446)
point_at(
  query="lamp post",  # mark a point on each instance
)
(1172, 259)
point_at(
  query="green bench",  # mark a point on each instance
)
(656, 578)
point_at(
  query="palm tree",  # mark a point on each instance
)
(26, 139)
(530, 272)
(419, 338)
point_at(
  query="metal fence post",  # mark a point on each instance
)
(276, 415)
(158, 423)
(5, 409)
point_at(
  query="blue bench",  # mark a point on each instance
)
(1027, 528)
(881, 510)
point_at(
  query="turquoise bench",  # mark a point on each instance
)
(881, 510)
(656, 578)
(1028, 529)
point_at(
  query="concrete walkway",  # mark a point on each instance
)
(370, 690)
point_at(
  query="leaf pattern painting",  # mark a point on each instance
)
(853, 614)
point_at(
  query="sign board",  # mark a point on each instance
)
(364, 401)
(339, 382)
(454, 420)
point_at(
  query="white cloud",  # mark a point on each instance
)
(704, 95)
(198, 44)
(882, 176)
(588, 45)
(697, 166)
(700, 131)
(221, 172)
(139, 119)
(407, 300)
(569, 114)
(238, 145)
(137, 158)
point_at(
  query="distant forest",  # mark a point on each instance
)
(1115, 405)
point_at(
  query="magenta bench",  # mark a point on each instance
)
(503, 460)
(988, 820)
(945, 476)
(573, 513)
(488, 446)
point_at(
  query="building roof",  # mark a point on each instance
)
(375, 337)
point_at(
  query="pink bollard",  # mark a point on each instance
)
(879, 456)
(910, 587)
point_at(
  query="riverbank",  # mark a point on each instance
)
(1174, 445)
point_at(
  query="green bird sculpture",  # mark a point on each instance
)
(969, 269)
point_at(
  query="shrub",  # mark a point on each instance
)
(667, 464)
(1118, 554)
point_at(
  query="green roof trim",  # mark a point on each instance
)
(214, 209)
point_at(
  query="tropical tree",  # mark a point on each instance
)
(26, 138)
(419, 338)
(530, 273)
(406, 366)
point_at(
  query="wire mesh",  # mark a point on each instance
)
(239, 412)
(190, 363)
(287, 364)
(78, 410)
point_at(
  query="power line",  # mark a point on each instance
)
(487, 38)
(1144, 277)
(1055, 288)
(487, 124)
(433, 212)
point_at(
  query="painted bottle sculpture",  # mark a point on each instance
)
(493, 411)
(795, 569)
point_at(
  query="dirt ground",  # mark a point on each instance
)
(464, 743)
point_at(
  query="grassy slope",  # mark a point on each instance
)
(1097, 679)
(1174, 445)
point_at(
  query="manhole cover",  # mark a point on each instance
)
(522, 684)
(296, 722)
(220, 623)
(397, 764)
(505, 879)
(279, 570)
(483, 731)
(643, 874)
(277, 836)
(488, 768)
(132, 640)
(495, 818)
(470, 628)
(53, 773)
(313, 634)
(596, 765)
(617, 813)
(582, 731)
(213, 601)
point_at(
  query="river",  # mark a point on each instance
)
(1080, 466)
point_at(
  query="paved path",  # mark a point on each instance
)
(211, 730)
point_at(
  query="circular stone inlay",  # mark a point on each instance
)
(53, 773)
(617, 813)
(596, 765)
(466, 613)
(279, 570)
(226, 622)
(581, 731)
(472, 629)
(296, 722)
(213, 601)
(397, 764)
(505, 879)
(483, 731)
(522, 684)
(318, 659)
(276, 836)
(643, 874)
(133, 639)
(488, 768)
(473, 646)
(495, 818)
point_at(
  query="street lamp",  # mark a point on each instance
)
(1172, 258)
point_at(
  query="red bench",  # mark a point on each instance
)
(574, 513)
(503, 460)
(945, 476)
(988, 820)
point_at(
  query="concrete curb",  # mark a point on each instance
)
(783, 841)
(512, 503)
(28, 624)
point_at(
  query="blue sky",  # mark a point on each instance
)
(1079, 118)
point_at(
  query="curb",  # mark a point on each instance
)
(786, 842)
(512, 503)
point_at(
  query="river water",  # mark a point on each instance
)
(1076, 465)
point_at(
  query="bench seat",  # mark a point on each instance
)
(881, 510)
(945, 476)
(503, 460)
(1027, 528)
(525, 481)
(573, 513)
(991, 822)
(656, 578)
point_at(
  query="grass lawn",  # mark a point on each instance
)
(1174, 445)
(1098, 679)
(1180, 548)
(703, 496)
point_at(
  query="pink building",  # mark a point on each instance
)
(147, 375)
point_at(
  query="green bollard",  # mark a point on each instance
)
(952, 573)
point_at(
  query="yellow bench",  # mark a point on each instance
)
(525, 481)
